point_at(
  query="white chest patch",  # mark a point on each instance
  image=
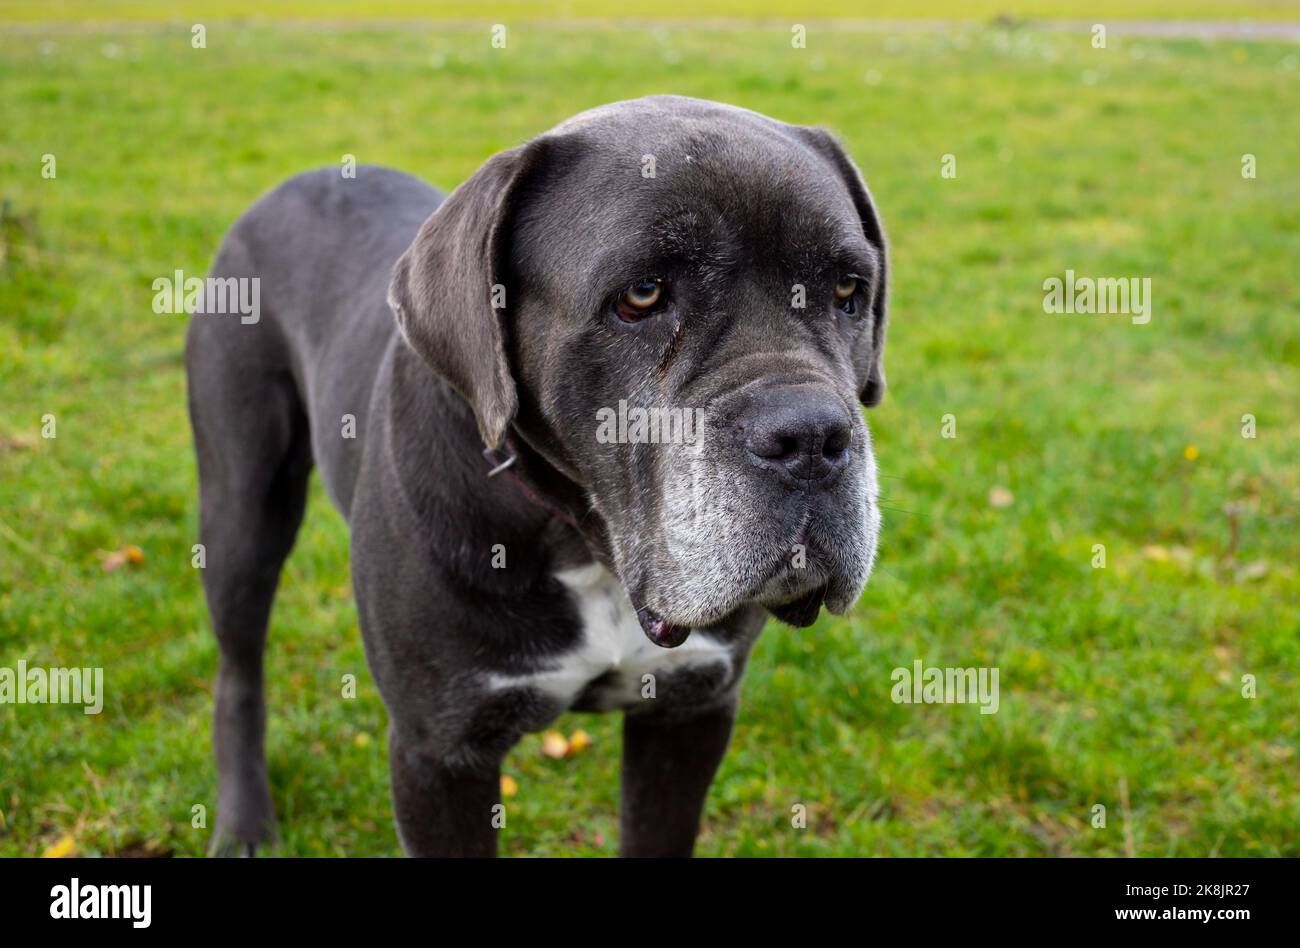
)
(612, 641)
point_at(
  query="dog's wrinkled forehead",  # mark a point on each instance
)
(632, 184)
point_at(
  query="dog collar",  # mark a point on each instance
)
(505, 461)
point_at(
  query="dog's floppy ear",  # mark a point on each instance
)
(448, 288)
(869, 354)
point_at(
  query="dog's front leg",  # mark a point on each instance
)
(668, 763)
(444, 807)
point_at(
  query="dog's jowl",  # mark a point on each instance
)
(451, 366)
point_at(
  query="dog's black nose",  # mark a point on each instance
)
(799, 430)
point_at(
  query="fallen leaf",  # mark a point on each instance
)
(17, 442)
(509, 787)
(1252, 571)
(118, 558)
(579, 741)
(554, 744)
(1001, 497)
(64, 847)
(1156, 552)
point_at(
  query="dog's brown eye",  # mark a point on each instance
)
(846, 295)
(639, 299)
(644, 294)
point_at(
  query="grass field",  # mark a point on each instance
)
(506, 11)
(1120, 686)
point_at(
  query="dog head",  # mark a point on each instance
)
(679, 305)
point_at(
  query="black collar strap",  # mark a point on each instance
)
(505, 461)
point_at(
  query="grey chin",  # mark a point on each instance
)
(668, 620)
(795, 604)
(837, 595)
(838, 589)
(845, 588)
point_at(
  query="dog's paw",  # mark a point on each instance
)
(229, 845)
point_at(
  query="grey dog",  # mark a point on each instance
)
(664, 254)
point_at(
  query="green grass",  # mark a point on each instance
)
(507, 11)
(1119, 686)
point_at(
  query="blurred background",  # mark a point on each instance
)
(1121, 685)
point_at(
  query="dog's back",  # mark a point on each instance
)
(321, 246)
